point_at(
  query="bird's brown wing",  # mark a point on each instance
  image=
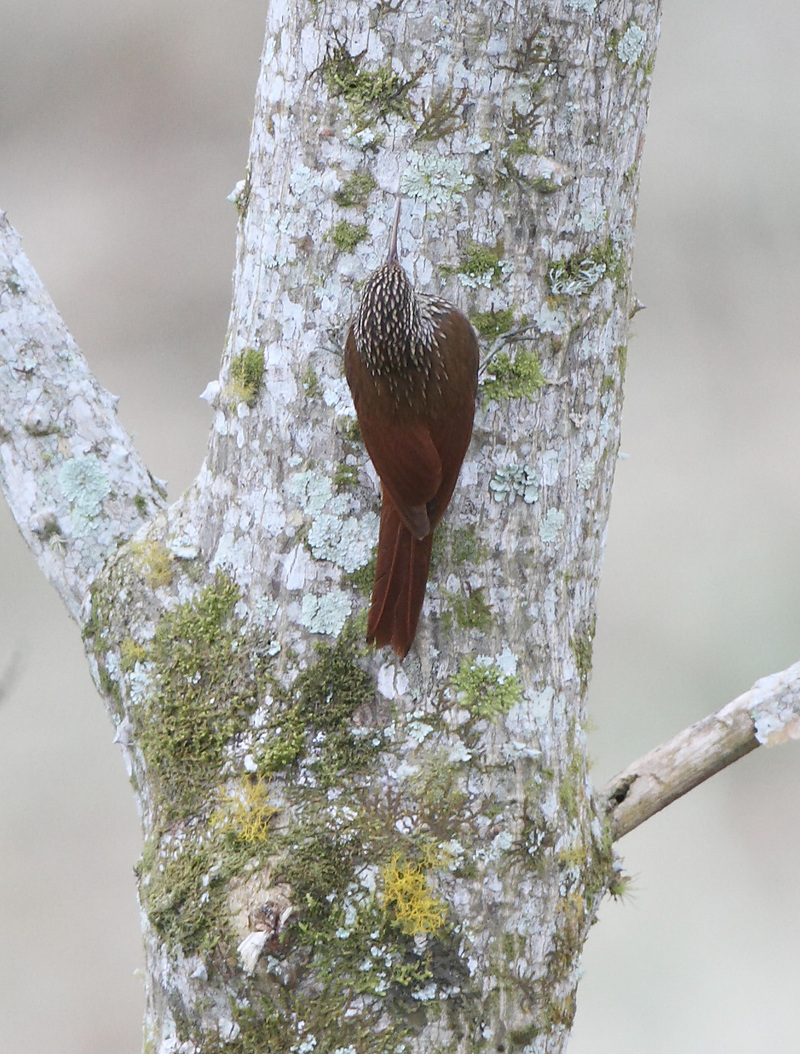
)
(407, 463)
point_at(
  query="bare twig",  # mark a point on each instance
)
(768, 714)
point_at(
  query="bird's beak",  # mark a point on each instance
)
(391, 257)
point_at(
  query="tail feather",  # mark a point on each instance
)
(401, 574)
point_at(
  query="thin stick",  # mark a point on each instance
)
(768, 714)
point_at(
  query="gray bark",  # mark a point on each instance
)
(344, 853)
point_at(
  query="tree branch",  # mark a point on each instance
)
(767, 714)
(70, 473)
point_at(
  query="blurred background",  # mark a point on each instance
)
(122, 129)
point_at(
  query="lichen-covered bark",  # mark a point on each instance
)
(345, 854)
(73, 480)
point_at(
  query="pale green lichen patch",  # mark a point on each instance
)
(517, 378)
(325, 614)
(246, 377)
(631, 44)
(437, 179)
(347, 541)
(85, 485)
(512, 481)
(485, 688)
(585, 472)
(551, 525)
(550, 318)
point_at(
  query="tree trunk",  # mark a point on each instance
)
(344, 853)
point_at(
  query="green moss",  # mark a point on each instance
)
(485, 689)
(155, 562)
(441, 796)
(575, 856)
(349, 430)
(608, 254)
(319, 865)
(480, 262)
(246, 377)
(346, 236)
(109, 686)
(464, 544)
(622, 354)
(140, 501)
(261, 1027)
(620, 886)
(582, 651)
(183, 893)
(345, 476)
(361, 943)
(356, 189)
(323, 699)
(208, 679)
(571, 790)
(471, 610)
(368, 93)
(493, 324)
(130, 653)
(310, 382)
(517, 378)
(459, 545)
(630, 175)
(364, 577)
(576, 275)
(607, 385)
(543, 185)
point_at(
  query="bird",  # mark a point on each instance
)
(411, 362)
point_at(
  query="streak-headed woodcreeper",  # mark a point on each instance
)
(411, 361)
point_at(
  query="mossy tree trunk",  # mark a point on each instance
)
(345, 853)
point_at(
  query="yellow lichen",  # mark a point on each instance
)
(130, 653)
(246, 812)
(155, 561)
(408, 899)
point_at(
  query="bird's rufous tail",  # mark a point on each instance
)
(401, 574)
